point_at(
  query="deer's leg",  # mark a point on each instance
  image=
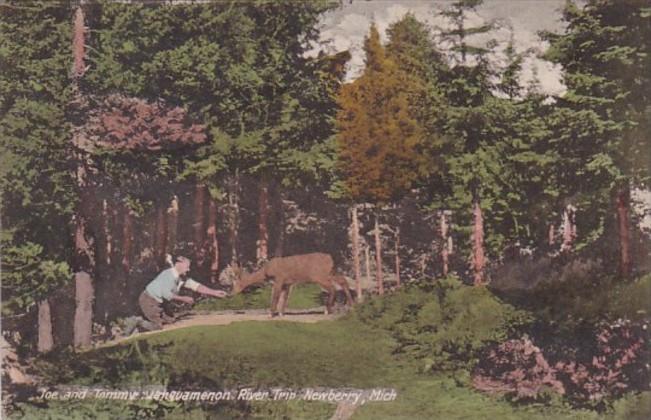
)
(341, 281)
(275, 295)
(331, 298)
(284, 297)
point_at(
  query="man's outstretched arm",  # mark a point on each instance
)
(204, 290)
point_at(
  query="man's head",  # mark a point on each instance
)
(182, 265)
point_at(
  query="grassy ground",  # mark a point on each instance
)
(302, 296)
(342, 353)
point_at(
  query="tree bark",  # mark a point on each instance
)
(160, 245)
(234, 222)
(478, 259)
(280, 241)
(199, 224)
(108, 237)
(212, 238)
(551, 235)
(127, 238)
(172, 223)
(397, 251)
(262, 249)
(84, 297)
(569, 228)
(367, 258)
(378, 256)
(354, 237)
(623, 206)
(445, 254)
(84, 244)
(45, 336)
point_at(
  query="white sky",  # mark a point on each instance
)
(345, 28)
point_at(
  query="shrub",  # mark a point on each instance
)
(619, 363)
(445, 324)
(518, 369)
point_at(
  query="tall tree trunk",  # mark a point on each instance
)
(160, 245)
(262, 249)
(234, 222)
(45, 337)
(623, 206)
(84, 244)
(199, 224)
(280, 208)
(84, 298)
(569, 228)
(445, 254)
(172, 223)
(108, 236)
(478, 257)
(212, 238)
(378, 256)
(397, 251)
(127, 237)
(551, 235)
(367, 259)
(354, 237)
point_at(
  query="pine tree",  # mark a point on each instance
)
(604, 116)
(378, 137)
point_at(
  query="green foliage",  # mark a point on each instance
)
(36, 166)
(583, 296)
(28, 277)
(445, 324)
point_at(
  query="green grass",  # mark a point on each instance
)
(302, 296)
(342, 353)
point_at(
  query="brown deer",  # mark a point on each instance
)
(288, 271)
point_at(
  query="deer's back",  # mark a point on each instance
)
(301, 267)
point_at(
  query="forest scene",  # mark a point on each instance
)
(229, 210)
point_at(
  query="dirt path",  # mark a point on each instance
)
(228, 317)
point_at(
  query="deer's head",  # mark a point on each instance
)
(232, 276)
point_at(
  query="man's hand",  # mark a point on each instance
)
(220, 294)
(187, 299)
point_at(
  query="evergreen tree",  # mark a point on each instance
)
(604, 116)
(378, 138)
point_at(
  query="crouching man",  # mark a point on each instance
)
(165, 287)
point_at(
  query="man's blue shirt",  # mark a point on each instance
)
(165, 285)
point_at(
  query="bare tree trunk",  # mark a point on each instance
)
(478, 259)
(127, 238)
(160, 246)
(397, 250)
(354, 236)
(262, 249)
(212, 238)
(378, 256)
(280, 241)
(172, 223)
(84, 245)
(569, 228)
(623, 205)
(367, 258)
(199, 229)
(445, 253)
(84, 297)
(234, 206)
(108, 237)
(45, 336)
(551, 235)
